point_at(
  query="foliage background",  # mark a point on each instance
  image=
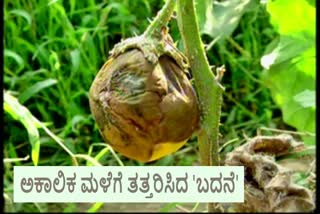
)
(53, 49)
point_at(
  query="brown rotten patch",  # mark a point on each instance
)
(269, 186)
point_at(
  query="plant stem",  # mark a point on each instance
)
(208, 88)
(161, 20)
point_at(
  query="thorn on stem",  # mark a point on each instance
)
(213, 68)
(220, 72)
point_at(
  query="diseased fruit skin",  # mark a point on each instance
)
(144, 109)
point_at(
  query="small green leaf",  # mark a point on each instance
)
(24, 96)
(23, 14)
(99, 155)
(15, 56)
(75, 60)
(54, 61)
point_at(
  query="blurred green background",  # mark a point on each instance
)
(53, 50)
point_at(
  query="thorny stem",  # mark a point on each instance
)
(207, 86)
(161, 20)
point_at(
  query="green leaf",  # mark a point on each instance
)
(220, 18)
(306, 98)
(75, 60)
(24, 96)
(54, 61)
(99, 155)
(302, 17)
(23, 14)
(290, 65)
(204, 12)
(286, 44)
(15, 56)
(22, 114)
